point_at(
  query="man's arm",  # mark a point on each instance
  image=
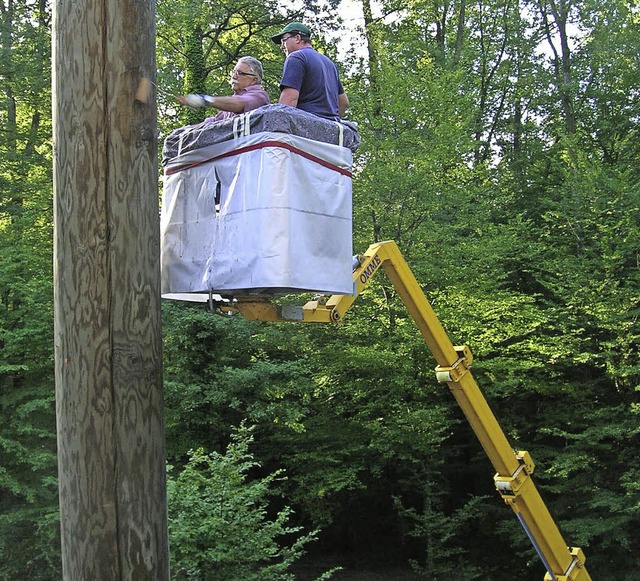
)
(289, 96)
(343, 104)
(234, 104)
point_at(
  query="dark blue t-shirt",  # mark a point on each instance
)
(315, 77)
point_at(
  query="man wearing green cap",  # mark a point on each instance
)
(310, 80)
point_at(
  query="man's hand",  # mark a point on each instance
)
(193, 100)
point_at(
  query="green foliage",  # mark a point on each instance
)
(444, 536)
(219, 371)
(29, 540)
(219, 522)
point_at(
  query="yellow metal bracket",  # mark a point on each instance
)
(510, 486)
(576, 571)
(462, 365)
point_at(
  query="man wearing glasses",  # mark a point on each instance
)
(248, 94)
(310, 80)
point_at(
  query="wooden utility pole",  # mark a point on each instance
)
(107, 293)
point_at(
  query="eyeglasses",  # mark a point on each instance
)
(236, 72)
(283, 39)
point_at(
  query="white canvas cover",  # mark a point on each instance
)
(269, 212)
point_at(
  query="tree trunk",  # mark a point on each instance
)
(373, 60)
(460, 32)
(560, 11)
(108, 347)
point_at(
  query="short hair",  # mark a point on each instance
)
(255, 66)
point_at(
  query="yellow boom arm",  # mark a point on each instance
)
(513, 469)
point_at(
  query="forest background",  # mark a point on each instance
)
(501, 151)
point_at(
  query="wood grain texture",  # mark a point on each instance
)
(107, 294)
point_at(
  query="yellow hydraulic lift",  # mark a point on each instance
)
(513, 468)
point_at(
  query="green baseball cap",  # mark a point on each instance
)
(293, 28)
